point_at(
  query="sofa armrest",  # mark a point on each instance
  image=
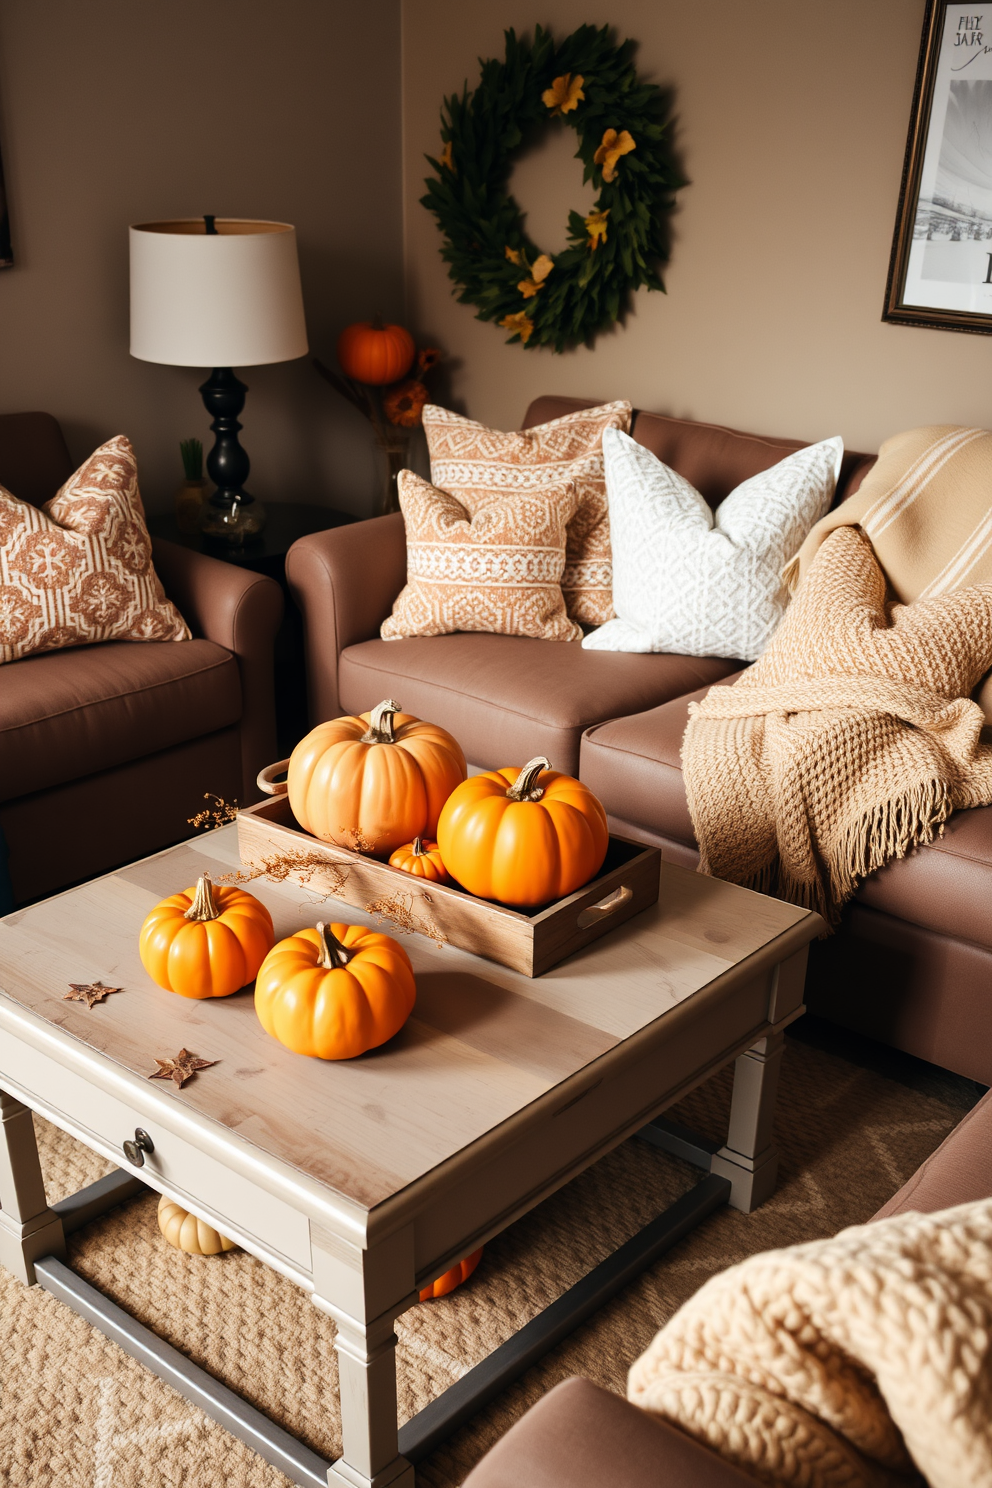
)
(345, 581)
(579, 1436)
(240, 610)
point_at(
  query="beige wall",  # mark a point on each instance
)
(792, 126)
(114, 111)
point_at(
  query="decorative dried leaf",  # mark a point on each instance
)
(88, 992)
(180, 1069)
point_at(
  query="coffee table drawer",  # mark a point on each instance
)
(102, 1121)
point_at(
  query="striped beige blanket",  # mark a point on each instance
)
(850, 740)
(926, 508)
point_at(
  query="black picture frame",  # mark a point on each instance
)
(944, 219)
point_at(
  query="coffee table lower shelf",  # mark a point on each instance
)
(430, 1426)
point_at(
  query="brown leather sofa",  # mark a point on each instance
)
(912, 964)
(107, 750)
(580, 1436)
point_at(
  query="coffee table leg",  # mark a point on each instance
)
(749, 1158)
(365, 1291)
(28, 1228)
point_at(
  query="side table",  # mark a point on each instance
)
(266, 554)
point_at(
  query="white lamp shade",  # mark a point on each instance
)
(226, 299)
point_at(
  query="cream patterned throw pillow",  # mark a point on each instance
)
(696, 583)
(477, 465)
(80, 569)
(499, 571)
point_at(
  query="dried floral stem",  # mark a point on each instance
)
(397, 911)
(303, 866)
(219, 815)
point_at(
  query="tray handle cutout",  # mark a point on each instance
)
(265, 779)
(596, 912)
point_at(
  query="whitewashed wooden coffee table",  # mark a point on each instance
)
(362, 1181)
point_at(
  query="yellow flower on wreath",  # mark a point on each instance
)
(521, 324)
(541, 269)
(596, 228)
(447, 158)
(565, 93)
(612, 147)
(513, 254)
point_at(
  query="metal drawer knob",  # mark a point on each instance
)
(135, 1151)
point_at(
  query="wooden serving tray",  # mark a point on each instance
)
(528, 943)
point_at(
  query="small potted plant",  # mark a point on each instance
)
(192, 493)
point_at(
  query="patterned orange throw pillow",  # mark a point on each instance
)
(80, 569)
(479, 465)
(499, 571)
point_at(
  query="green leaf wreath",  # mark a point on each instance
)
(624, 144)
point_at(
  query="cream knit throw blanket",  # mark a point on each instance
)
(850, 740)
(842, 1363)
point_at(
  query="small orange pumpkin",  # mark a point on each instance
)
(422, 859)
(376, 354)
(206, 941)
(375, 781)
(335, 992)
(453, 1278)
(186, 1232)
(522, 837)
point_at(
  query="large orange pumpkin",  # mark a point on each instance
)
(335, 992)
(374, 353)
(453, 1278)
(373, 782)
(206, 941)
(522, 837)
(421, 859)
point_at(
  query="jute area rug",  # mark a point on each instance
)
(74, 1410)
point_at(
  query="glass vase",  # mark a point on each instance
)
(392, 459)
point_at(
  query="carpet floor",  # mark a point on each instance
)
(77, 1412)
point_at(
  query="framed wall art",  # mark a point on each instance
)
(940, 273)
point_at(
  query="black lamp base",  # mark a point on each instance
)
(232, 514)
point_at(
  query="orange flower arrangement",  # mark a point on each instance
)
(392, 411)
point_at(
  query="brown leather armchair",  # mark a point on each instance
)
(106, 751)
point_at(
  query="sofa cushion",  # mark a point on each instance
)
(509, 698)
(959, 1172)
(634, 766)
(579, 1436)
(67, 714)
(712, 458)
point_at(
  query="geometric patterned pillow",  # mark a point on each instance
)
(698, 583)
(498, 572)
(478, 465)
(80, 568)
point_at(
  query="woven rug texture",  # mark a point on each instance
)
(78, 1413)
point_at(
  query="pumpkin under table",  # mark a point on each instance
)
(364, 1180)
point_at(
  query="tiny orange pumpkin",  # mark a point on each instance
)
(422, 859)
(207, 941)
(336, 991)
(374, 353)
(522, 837)
(453, 1278)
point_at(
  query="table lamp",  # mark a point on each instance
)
(218, 292)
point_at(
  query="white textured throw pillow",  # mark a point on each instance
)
(699, 583)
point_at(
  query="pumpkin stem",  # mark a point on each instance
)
(333, 955)
(204, 906)
(380, 729)
(418, 848)
(525, 788)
